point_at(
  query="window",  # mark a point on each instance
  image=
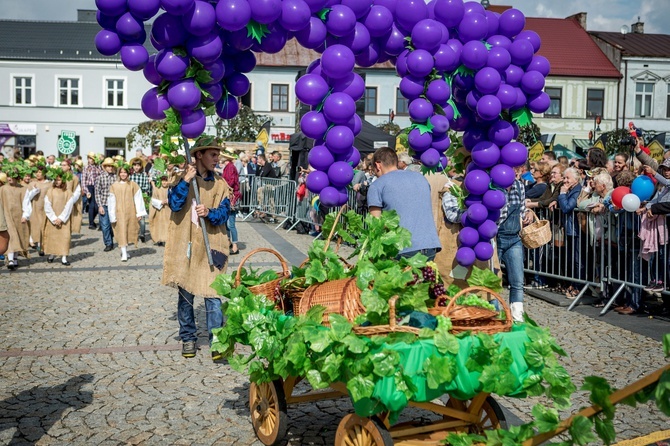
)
(68, 91)
(644, 92)
(23, 90)
(555, 95)
(279, 97)
(594, 103)
(115, 92)
(401, 103)
(371, 100)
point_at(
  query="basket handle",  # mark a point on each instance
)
(284, 265)
(392, 302)
(452, 302)
(535, 217)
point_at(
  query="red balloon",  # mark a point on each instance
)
(618, 194)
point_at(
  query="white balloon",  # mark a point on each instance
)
(630, 202)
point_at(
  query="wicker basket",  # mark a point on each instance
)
(536, 234)
(267, 288)
(392, 327)
(338, 296)
(475, 319)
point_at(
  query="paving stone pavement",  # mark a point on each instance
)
(90, 356)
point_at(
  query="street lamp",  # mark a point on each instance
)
(596, 128)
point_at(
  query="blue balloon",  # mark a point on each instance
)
(643, 187)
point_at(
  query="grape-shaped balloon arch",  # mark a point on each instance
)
(461, 67)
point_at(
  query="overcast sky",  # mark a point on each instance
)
(603, 15)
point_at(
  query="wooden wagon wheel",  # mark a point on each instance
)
(491, 415)
(267, 404)
(356, 431)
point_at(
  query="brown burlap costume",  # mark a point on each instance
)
(126, 228)
(159, 220)
(19, 233)
(38, 217)
(57, 240)
(194, 274)
(76, 216)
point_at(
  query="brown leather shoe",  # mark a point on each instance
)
(619, 308)
(627, 310)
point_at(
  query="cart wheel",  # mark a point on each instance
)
(356, 431)
(491, 416)
(267, 404)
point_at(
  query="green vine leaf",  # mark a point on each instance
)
(424, 128)
(257, 31)
(457, 113)
(522, 117)
(323, 14)
(464, 71)
(180, 51)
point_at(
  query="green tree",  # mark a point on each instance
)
(389, 127)
(529, 134)
(613, 140)
(146, 134)
(242, 128)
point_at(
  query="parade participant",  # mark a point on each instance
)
(73, 186)
(17, 209)
(59, 203)
(126, 208)
(139, 176)
(4, 235)
(101, 188)
(38, 217)
(90, 175)
(408, 193)
(186, 264)
(159, 214)
(233, 179)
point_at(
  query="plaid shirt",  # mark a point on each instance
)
(102, 185)
(91, 173)
(142, 180)
(515, 195)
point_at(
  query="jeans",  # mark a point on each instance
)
(230, 225)
(143, 227)
(510, 252)
(186, 316)
(92, 206)
(106, 227)
(428, 252)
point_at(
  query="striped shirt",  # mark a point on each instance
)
(515, 196)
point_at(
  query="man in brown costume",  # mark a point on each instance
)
(185, 266)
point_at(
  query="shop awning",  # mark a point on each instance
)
(582, 143)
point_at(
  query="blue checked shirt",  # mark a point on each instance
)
(177, 199)
(515, 195)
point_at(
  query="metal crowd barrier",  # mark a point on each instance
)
(270, 196)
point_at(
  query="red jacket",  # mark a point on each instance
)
(233, 179)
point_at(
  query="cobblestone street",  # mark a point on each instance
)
(91, 356)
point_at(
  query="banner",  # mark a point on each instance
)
(264, 134)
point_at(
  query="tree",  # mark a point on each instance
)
(242, 128)
(529, 134)
(146, 134)
(389, 127)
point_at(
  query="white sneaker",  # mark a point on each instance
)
(517, 311)
(124, 257)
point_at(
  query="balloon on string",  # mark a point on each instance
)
(513, 75)
(295, 15)
(477, 213)
(473, 136)
(473, 27)
(411, 87)
(502, 175)
(359, 7)
(311, 89)
(631, 202)
(154, 104)
(487, 80)
(237, 84)
(494, 215)
(494, 199)
(355, 124)
(493, 21)
(488, 229)
(438, 92)
(521, 99)
(394, 41)
(465, 221)
(275, 41)
(430, 158)
(465, 256)
(472, 199)
(227, 107)
(420, 110)
(312, 35)
(489, 107)
(128, 27)
(468, 237)
(170, 66)
(205, 49)
(483, 251)
(441, 142)
(316, 181)
(339, 139)
(134, 56)
(514, 154)
(642, 187)
(339, 108)
(193, 123)
(539, 103)
(440, 123)
(445, 58)
(314, 125)
(477, 182)
(316, 5)
(617, 195)
(498, 59)
(501, 132)
(340, 21)
(265, 11)
(540, 64)
(499, 40)
(486, 154)
(410, 12)
(379, 21)
(521, 52)
(426, 35)
(108, 43)
(353, 85)
(200, 19)
(177, 7)
(507, 96)
(532, 37)
(472, 98)
(357, 40)
(532, 82)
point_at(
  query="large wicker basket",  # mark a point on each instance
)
(536, 234)
(267, 288)
(476, 319)
(392, 327)
(338, 296)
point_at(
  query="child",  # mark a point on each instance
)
(17, 208)
(58, 204)
(159, 214)
(38, 217)
(126, 209)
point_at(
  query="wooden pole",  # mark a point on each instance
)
(196, 192)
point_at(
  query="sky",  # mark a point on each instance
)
(602, 15)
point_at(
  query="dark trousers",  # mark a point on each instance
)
(92, 206)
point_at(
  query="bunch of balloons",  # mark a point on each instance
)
(629, 198)
(461, 67)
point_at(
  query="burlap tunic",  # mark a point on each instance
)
(38, 217)
(57, 240)
(19, 233)
(126, 227)
(194, 274)
(159, 220)
(76, 216)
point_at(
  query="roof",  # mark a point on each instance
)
(570, 49)
(636, 44)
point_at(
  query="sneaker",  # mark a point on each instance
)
(12, 265)
(650, 288)
(534, 285)
(216, 356)
(108, 248)
(658, 287)
(188, 349)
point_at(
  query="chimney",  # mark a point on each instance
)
(638, 27)
(86, 15)
(580, 18)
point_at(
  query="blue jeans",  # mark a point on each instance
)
(428, 252)
(510, 252)
(186, 316)
(106, 226)
(92, 206)
(230, 225)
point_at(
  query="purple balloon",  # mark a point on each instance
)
(370, 56)
(358, 40)
(427, 35)
(111, 7)
(337, 61)
(473, 136)
(353, 85)
(449, 112)
(215, 92)
(420, 63)
(354, 157)
(488, 229)
(507, 96)
(105, 21)
(477, 213)
(474, 55)
(155, 44)
(521, 52)
(171, 66)
(154, 104)
(394, 43)
(316, 5)
(492, 20)
(539, 103)
(200, 19)
(331, 197)
(193, 123)
(438, 92)
(295, 15)
(311, 89)
(440, 123)
(379, 21)
(494, 215)
(355, 124)
(532, 82)
(513, 75)
(205, 49)
(441, 143)
(430, 158)
(446, 59)
(411, 87)
(237, 84)
(502, 176)
(477, 182)
(520, 99)
(168, 31)
(419, 142)
(217, 70)
(150, 72)
(339, 139)
(465, 256)
(472, 199)
(107, 42)
(456, 45)
(449, 12)
(316, 181)
(183, 95)
(541, 64)
(489, 107)
(472, 98)
(501, 132)
(339, 108)
(177, 7)
(468, 237)
(420, 110)
(532, 37)
(265, 11)
(313, 35)
(494, 199)
(227, 107)
(340, 173)
(134, 56)
(473, 27)
(233, 15)
(487, 80)
(340, 21)
(359, 7)
(514, 154)
(511, 22)
(128, 27)
(401, 63)
(499, 58)
(486, 154)
(313, 124)
(499, 41)
(144, 9)
(483, 251)
(465, 221)
(412, 12)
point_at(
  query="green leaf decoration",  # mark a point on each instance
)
(485, 278)
(581, 430)
(457, 113)
(423, 128)
(203, 76)
(257, 31)
(522, 117)
(488, 45)
(666, 344)
(323, 14)
(180, 51)
(662, 393)
(464, 71)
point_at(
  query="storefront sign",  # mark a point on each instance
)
(67, 142)
(17, 129)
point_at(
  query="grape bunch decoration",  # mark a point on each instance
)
(462, 68)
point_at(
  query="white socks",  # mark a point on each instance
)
(64, 259)
(517, 311)
(10, 256)
(124, 253)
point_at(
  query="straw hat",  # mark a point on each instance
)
(3, 177)
(79, 163)
(137, 159)
(205, 142)
(92, 155)
(108, 162)
(228, 155)
(117, 157)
